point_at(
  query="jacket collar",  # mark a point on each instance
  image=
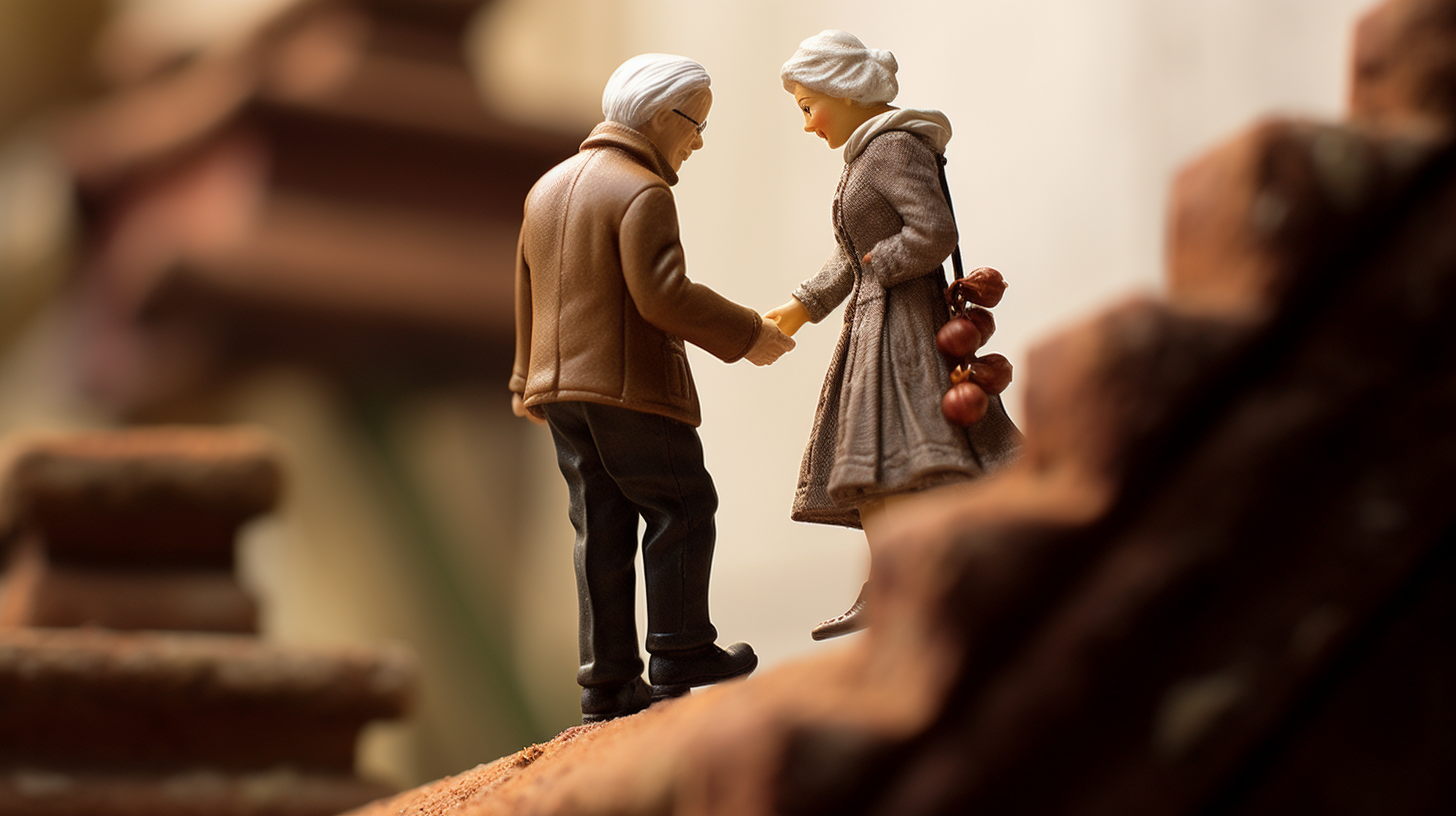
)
(634, 144)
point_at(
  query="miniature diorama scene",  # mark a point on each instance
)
(594, 407)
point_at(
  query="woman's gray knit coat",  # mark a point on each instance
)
(878, 428)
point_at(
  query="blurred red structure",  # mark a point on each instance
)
(329, 190)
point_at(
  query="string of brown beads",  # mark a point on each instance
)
(973, 379)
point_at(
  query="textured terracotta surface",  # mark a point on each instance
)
(1249, 214)
(1403, 72)
(634, 764)
(1216, 582)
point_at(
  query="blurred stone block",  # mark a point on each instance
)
(146, 497)
(133, 529)
(40, 594)
(151, 702)
(117, 534)
(280, 792)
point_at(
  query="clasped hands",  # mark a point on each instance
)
(774, 340)
(772, 343)
(779, 325)
(791, 316)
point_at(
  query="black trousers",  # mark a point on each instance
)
(620, 465)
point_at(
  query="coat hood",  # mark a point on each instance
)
(932, 126)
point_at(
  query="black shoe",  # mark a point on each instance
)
(602, 703)
(660, 693)
(701, 666)
(855, 619)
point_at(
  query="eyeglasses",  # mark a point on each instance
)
(701, 126)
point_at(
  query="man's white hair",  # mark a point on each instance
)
(648, 83)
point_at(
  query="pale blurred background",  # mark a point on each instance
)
(420, 510)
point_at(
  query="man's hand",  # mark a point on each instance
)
(770, 345)
(518, 407)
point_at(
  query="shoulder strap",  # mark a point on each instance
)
(955, 255)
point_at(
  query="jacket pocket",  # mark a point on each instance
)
(677, 368)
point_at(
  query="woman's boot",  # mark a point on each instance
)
(855, 619)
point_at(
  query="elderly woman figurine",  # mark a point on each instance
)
(878, 432)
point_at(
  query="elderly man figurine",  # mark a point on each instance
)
(603, 306)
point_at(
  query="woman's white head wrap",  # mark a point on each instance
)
(836, 64)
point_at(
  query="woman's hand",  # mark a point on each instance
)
(789, 317)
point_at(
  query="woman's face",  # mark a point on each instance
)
(832, 120)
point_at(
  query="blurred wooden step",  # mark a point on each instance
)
(37, 792)
(37, 593)
(88, 699)
(168, 496)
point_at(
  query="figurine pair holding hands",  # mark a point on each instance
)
(604, 306)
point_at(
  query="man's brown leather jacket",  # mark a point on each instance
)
(603, 301)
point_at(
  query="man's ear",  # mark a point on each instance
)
(657, 126)
(660, 119)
